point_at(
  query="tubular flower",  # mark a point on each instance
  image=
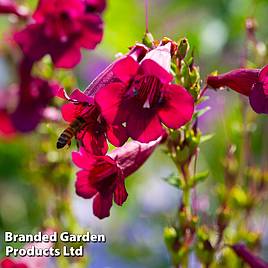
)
(145, 97)
(259, 95)
(8, 263)
(6, 127)
(34, 97)
(240, 80)
(110, 74)
(39, 261)
(102, 177)
(95, 5)
(60, 28)
(10, 7)
(88, 125)
(250, 82)
(252, 260)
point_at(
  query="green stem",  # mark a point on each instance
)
(186, 194)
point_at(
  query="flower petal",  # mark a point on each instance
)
(83, 186)
(91, 32)
(102, 205)
(263, 73)
(125, 69)
(65, 56)
(117, 135)
(240, 80)
(151, 68)
(32, 41)
(69, 112)
(178, 106)
(143, 125)
(78, 95)
(258, 99)
(82, 159)
(109, 100)
(161, 56)
(120, 193)
(95, 144)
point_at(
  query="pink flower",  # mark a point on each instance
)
(6, 127)
(259, 95)
(252, 260)
(95, 5)
(240, 80)
(30, 261)
(9, 263)
(102, 177)
(110, 75)
(92, 129)
(34, 96)
(250, 82)
(10, 7)
(145, 97)
(60, 28)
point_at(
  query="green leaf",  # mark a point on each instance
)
(175, 181)
(200, 112)
(200, 177)
(206, 138)
(204, 98)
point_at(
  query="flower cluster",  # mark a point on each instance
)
(252, 83)
(61, 28)
(135, 97)
(9, 263)
(56, 28)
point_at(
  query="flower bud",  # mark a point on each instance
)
(183, 48)
(240, 80)
(252, 260)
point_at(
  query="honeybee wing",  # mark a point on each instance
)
(103, 79)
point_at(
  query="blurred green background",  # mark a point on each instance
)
(216, 32)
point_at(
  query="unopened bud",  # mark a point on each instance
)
(183, 48)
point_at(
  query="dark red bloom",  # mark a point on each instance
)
(102, 177)
(94, 130)
(95, 5)
(6, 127)
(259, 94)
(110, 75)
(60, 28)
(252, 260)
(145, 98)
(8, 263)
(240, 80)
(34, 97)
(10, 7)
(250, 82)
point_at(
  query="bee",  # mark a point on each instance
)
(71, 131)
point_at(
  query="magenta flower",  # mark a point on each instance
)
(145, 97)
(9, 263)
(252, 260)
(259, 95)
(110, 74)
(35, 95)
(95, 5)
(93, 130)
(102, 177)
(30, 261)
(240, 80)
(250, 82)
(6, 127)
(60, 28)
(10, 7)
